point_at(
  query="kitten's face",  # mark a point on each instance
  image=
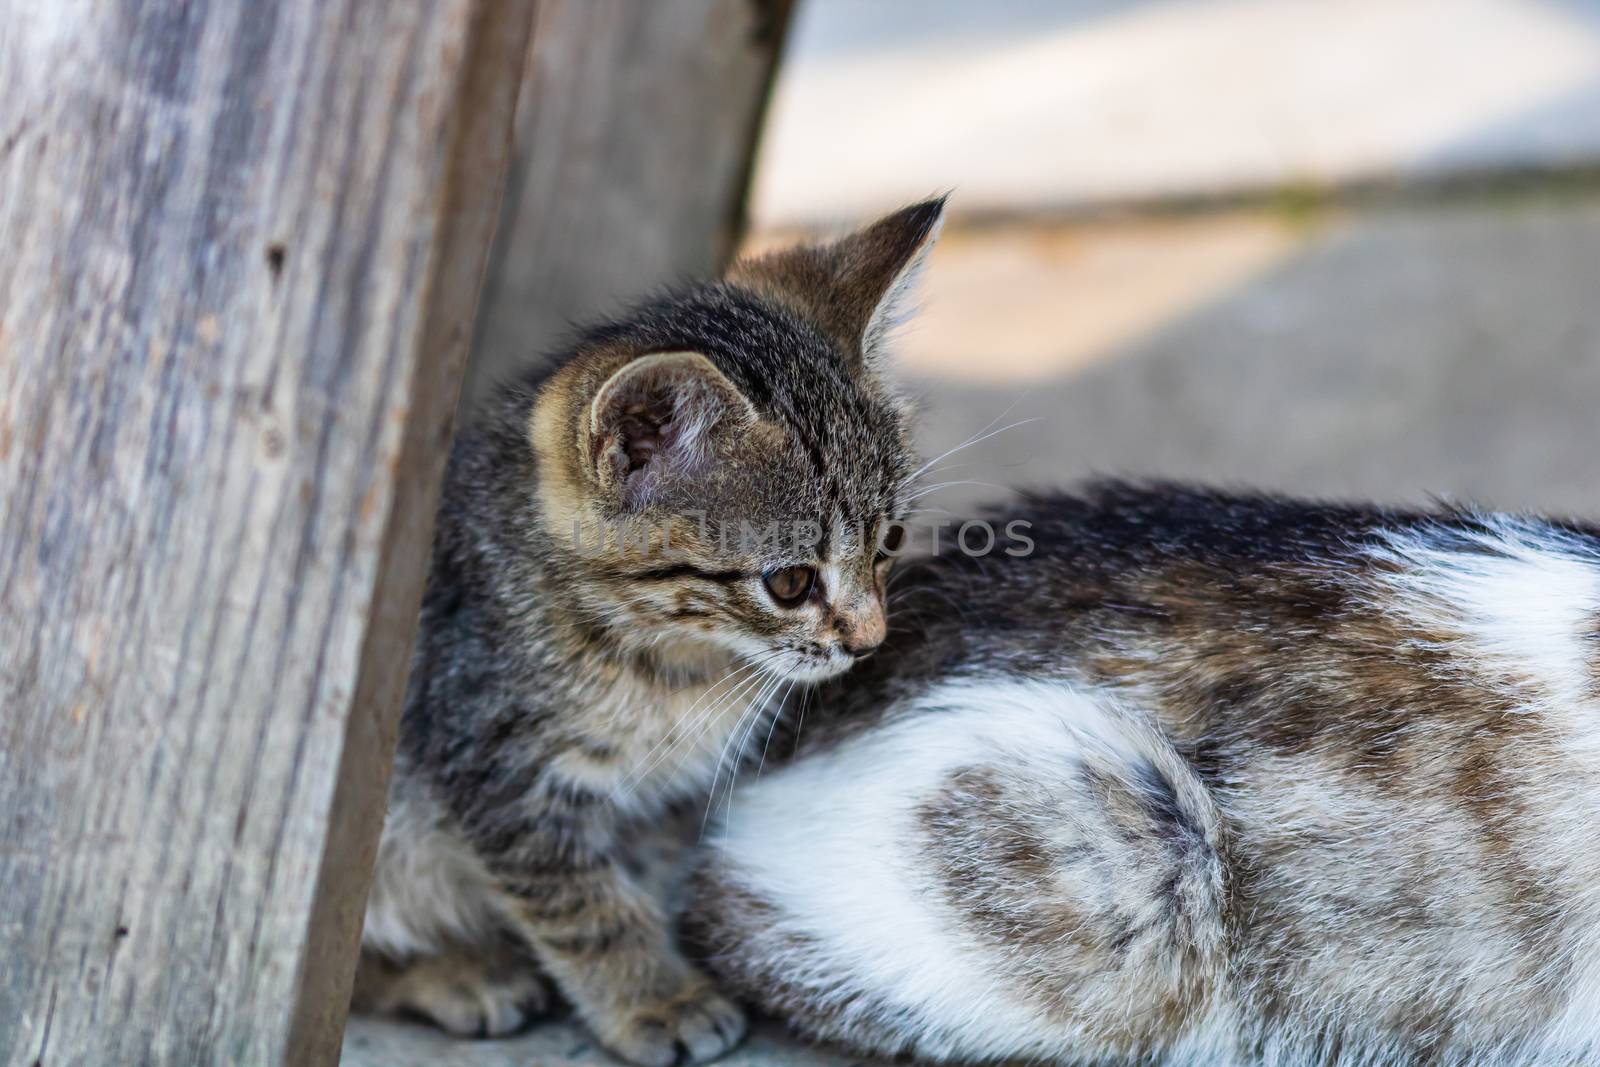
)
(770, 559)
(780, 567)
(727, 466)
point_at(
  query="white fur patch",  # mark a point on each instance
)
(1522, 598)
(831, 842)
(1523, 601)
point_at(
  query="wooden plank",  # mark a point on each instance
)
(243, 244)
(635, 136)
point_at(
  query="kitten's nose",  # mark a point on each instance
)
(861, 632)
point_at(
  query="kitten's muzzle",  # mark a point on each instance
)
(860, 628)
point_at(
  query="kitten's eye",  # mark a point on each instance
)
(791, 585)
(890, 540)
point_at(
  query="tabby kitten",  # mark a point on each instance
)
(1205, 780)
(573, 687)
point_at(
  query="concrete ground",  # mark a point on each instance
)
(1397, 353)
(375, 1043)
(1027, 104)
(1390, 352)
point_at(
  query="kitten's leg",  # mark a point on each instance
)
(480, 993)
(608, 945)
(433, 943)
(606, 939)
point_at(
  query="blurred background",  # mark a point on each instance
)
(1334, 247)
(1328, 246)
(1339, 247)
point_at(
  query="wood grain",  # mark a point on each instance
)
(243, 244)
(635, 136)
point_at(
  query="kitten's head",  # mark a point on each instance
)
(744, 429)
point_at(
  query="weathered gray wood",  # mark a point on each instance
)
(635, 135)
(242, 244)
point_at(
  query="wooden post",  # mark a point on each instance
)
(635, 135)
(242, 246)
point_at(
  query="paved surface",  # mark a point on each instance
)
(1032, 103)
(1393, 353)
(1452, 350)
(374, 1043)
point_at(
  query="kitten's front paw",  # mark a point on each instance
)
(483, 1007)
(463, 994)
(694, 1024)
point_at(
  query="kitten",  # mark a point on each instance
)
(571, 692)
(1205, 780)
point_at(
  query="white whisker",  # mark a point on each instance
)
(739, 753)
(772, 727)
(752, 712)
(688, 729)
(979, 438)
(925, 490)
(685, 728)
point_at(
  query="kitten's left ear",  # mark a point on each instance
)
(861, 286)
(660, 419)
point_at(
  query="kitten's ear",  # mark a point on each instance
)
(859, 287)
(659, 419)
(877, 271)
